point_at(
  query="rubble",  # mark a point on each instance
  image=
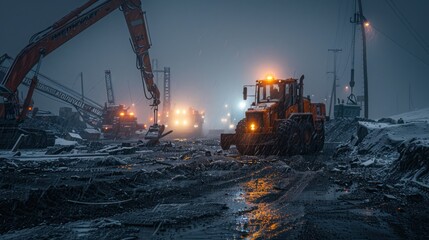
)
(191, 188)
(413, 162)
(391, 147)
(60, 149)
(111, 161)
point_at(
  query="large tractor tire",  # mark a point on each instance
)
(241, 127)
(318, 138)
(289, 139)
(307, 135)
(242, 147)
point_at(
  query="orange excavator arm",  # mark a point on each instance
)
(71, 25)
(140, 42)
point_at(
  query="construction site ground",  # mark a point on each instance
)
(191, 189)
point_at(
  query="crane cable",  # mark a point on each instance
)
(144, 89)
(140, 66)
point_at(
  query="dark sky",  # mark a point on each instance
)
(215, 47)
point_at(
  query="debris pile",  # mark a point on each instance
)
(413, 162)
(340, 130)
(397, 151)
(193, 189)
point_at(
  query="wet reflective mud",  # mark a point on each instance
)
(264, 220)
(202, 198)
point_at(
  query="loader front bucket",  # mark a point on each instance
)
(154, 132)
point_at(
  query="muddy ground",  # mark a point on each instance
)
(193, 190)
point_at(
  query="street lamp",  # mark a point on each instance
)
(346, 88)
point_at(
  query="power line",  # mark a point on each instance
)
(334, 86)
(348, 7)
(338, 22)
(347, 61)
(399, 45)
(419, 39)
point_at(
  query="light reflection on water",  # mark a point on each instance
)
(266, 220)
(126, 167)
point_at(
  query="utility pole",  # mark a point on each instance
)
(364, 23)
(334, 86)
(410, 99)
(81, 85)
(352, 70)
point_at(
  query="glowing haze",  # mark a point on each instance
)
(215, 47)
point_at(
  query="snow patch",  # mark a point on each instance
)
(398, 152)
(379, 138)
(91, 130)
(75, 136)
(63, 142)
(421, 115)
(374, 125)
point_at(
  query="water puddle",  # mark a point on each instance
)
(256, 218)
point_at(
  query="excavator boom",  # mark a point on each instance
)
(44, 42)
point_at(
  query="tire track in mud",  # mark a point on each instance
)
(53, 204)
(147, 189)
(298, 186)
(275, 212)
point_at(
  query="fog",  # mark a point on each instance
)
(215, 47)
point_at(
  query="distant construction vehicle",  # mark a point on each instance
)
(186, 123)
(117, 122)
(114, 121)
(281, 121)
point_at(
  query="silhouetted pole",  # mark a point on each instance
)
(364, 23)
(334, 86)
(352, 70)
(81, 85)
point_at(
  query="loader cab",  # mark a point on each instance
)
(268, 92)
(276, 91)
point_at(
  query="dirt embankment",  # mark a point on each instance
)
(398, 150)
